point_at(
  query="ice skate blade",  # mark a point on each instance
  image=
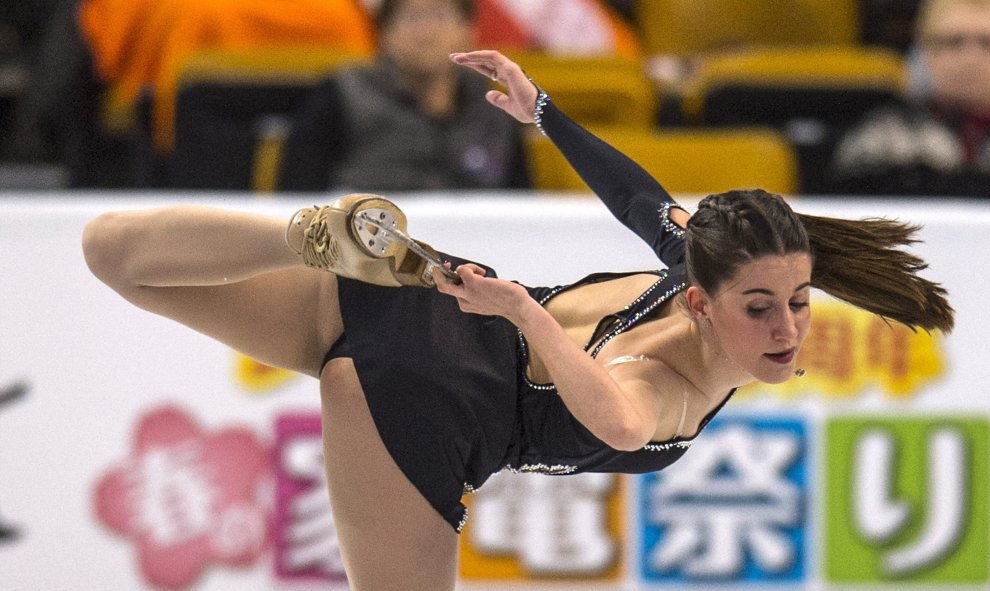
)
(383, 232)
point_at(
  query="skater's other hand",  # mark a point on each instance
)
(478, 294)
(519, 100)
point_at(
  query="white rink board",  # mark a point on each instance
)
(94, 366)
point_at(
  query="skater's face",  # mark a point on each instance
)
(760, 317)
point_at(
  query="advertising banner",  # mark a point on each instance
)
(136, 453)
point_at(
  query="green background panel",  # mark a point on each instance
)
(849, 557)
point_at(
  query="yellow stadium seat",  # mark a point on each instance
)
(811, 94)
(282, 63)
(836, 68)
(600, 90)
(684, 161)
(684, 27)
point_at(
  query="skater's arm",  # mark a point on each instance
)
(630, 193)
(633, 196)
(624, 413)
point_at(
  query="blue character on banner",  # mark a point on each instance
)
(9, 394)
(732, 510)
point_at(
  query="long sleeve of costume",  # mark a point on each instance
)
(633, 196)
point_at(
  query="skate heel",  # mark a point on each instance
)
(363, 237)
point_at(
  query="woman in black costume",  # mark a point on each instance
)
(425, 395)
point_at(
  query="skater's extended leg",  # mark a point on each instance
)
(391, 537)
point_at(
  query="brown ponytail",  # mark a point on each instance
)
(858, 261)
(861, 262)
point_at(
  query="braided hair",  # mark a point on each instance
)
(858, 261)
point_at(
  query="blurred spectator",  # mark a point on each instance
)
(21, 26)
(140, 45)
(410, 121)
(101, 57)
(940, 143)
(890, 23)
(58, 119)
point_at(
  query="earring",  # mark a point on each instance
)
(799, 372)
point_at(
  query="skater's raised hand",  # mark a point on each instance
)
(519, 100)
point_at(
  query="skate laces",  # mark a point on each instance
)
(320, 248)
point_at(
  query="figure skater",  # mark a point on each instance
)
(435, 374)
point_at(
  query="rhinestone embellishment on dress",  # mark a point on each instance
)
(555, 469)
(464, 518)
(666, 446)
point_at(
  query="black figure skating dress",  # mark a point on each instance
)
(448, 390)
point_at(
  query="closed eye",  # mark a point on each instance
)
(757, 312)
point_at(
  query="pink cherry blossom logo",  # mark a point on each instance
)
(188, 498)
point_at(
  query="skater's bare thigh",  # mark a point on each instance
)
(391, 538)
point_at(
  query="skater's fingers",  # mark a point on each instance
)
(468, 285)
(485, 69)
(443, 282)
(499, 99)
(485, 66)
(489, 59)
(486, 57)
(520, 108)
(469, 269)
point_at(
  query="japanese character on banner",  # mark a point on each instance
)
(534, 525)
(188, 498)
(731, 509)
(9, 394)
(305, 536)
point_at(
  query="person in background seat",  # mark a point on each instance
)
(939, 144)
(411, 120)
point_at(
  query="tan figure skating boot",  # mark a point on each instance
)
(363, 236)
